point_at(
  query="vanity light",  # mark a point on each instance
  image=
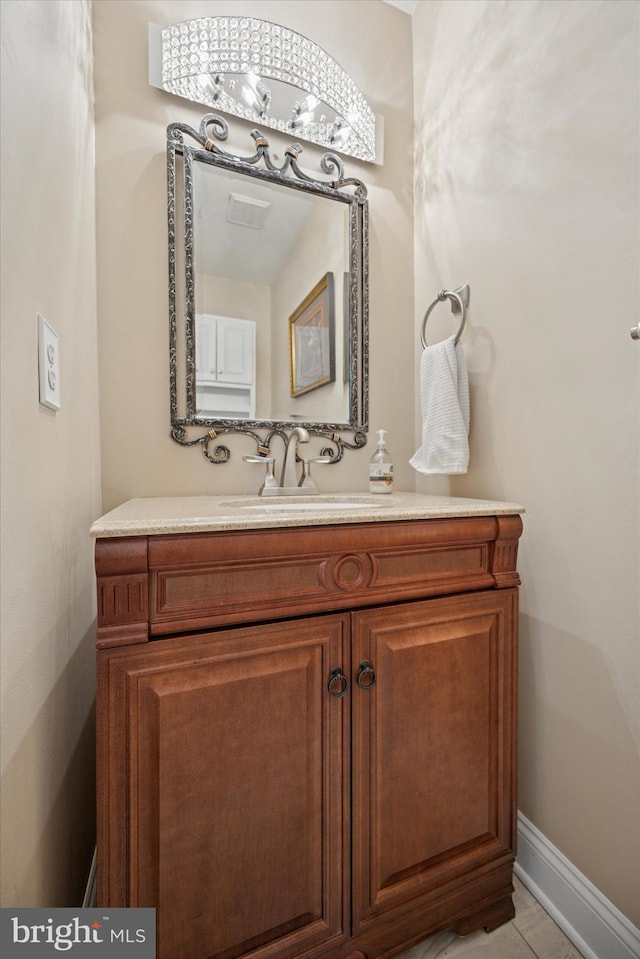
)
(254, 93)
(259, 70)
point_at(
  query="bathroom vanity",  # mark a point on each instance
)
(306, 721)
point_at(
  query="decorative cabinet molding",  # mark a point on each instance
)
(505, 550)
(123, 591)
(202, 580)
(307, 747)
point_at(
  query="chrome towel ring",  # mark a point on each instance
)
(459, 302)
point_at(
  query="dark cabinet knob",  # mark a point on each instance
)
(366, 678)
(338, 684)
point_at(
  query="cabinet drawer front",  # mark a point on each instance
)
(227, 785)
(215, 579)
(434, 750)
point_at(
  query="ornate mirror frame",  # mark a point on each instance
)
(344, 190)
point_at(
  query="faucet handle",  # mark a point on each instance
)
(305, 480)
(269, 480)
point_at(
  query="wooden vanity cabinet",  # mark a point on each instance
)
(306, 737)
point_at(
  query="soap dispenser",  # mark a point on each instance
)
(381, 468)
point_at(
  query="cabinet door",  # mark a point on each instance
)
(236, 350)
(433, 761)
(224, 789)
(225, 349)
(206, 348)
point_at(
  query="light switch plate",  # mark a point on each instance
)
(48, 364)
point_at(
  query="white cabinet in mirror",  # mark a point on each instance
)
(225, 367)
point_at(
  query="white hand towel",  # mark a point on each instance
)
(444, 394)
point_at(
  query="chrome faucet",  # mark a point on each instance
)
(289, 484)
(289, 476)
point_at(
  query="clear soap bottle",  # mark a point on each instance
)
(381, 468)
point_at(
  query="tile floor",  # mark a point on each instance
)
(531, 935)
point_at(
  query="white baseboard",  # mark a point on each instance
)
(597, 929)
(89, 899)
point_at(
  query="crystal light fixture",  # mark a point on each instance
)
(264, 72)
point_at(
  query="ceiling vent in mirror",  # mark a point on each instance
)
(267, 74)
(245, 211)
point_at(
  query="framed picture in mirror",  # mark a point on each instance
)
(312, 339)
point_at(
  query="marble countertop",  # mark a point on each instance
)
(197, 514)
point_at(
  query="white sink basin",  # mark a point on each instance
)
(290, 504)
(312, 507)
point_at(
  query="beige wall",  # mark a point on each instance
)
(50, 461)
(139, 457)
(526, 187)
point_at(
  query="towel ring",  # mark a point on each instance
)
(460, 300)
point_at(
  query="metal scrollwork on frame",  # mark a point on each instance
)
(345, 189)
(221, 453)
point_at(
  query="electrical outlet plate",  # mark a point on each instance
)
(48, 365)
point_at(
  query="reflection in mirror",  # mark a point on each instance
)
(271, 266)
(260, 250)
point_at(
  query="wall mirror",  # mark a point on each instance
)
(268, 301)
